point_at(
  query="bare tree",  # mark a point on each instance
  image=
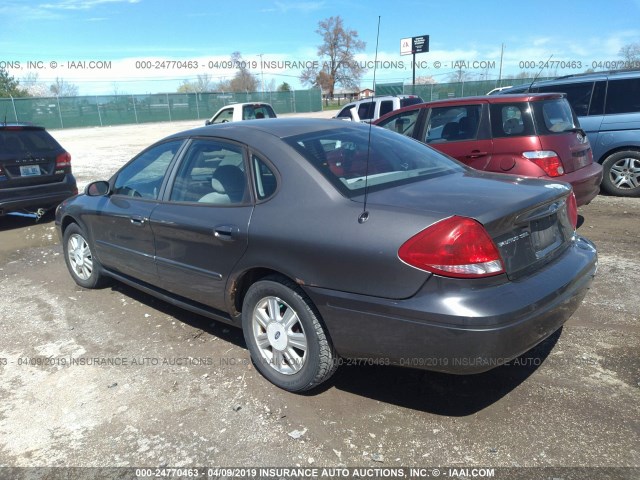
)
(33, 85)
(62, 88)
(201, 84)
(425, 80)
(244, 80)
(460, 75)
(630, 53)
(337, 55)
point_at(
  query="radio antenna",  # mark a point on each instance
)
(538, 74)
(364, 216)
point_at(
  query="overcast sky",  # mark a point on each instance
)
(145, 46)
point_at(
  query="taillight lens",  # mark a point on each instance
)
(547, 160)
(456, 247)
(63, 160)
(572, 209)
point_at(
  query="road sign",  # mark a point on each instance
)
(420, 44)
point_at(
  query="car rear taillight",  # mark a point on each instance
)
(456, 247)
(572, 209)
(63, 160)
(547, 160)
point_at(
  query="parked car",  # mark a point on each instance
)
(532, 135)
(35, 171)
(608, 108)
(329, 240)
(372, 108)
(242, 111)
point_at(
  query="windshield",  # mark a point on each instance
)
(376, 158)
(554, 116)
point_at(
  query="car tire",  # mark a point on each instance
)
(621, 174)
(285, 335)
(84, 267)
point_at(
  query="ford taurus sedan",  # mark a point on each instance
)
(326, 240)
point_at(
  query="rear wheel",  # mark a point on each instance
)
(285, 335)
(85, 269)
(622, 174)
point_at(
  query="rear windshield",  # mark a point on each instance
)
(352, 159)
(554, 116)
(18, 140)
(251, 112)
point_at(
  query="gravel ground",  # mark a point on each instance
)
(155, 385)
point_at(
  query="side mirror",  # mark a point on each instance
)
(97, 189)
(207, 122)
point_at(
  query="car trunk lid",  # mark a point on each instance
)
(30, 156)
(526, 218)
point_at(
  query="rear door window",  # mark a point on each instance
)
(511, 120)
(386, 106)
(623, 96)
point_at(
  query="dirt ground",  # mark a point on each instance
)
(153, 385)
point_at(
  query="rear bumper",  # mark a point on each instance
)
(37, 196)
(585, 182)
(460, 326)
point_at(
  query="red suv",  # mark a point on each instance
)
(533, 135)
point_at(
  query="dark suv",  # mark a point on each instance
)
(608, 107)
(35, 171)
(533, 135)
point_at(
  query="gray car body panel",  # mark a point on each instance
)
(373, 304)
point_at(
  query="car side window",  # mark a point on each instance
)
(578, 94)
(452, 124)
(623, 96)
(211, 171)
(511, 120)
(346, 111)
(386, 106)
(403, 123)
(366, 109)
(224, 116)
(264, 178)
(597, 98)
(143, 176)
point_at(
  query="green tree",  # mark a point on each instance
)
(9, 86)
(284, 87)
(337, 57)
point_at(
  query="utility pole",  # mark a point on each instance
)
(500, 73)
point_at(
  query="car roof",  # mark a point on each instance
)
(278, 127)
(580, 77)
(20, 126)
(507, 98)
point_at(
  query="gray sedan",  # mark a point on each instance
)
(329, 241)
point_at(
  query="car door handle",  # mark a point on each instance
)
(477, 154)
(138, 221)
(226, 233)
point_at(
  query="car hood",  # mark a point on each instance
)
(485, 197)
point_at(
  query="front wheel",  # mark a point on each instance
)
(285, 336)
(622, 174)
(83, 266)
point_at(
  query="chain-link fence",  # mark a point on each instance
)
(92, 111)
(442, 91)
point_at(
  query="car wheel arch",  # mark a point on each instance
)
(239, 285)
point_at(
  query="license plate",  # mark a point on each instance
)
(29, 170)
(545, 235)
